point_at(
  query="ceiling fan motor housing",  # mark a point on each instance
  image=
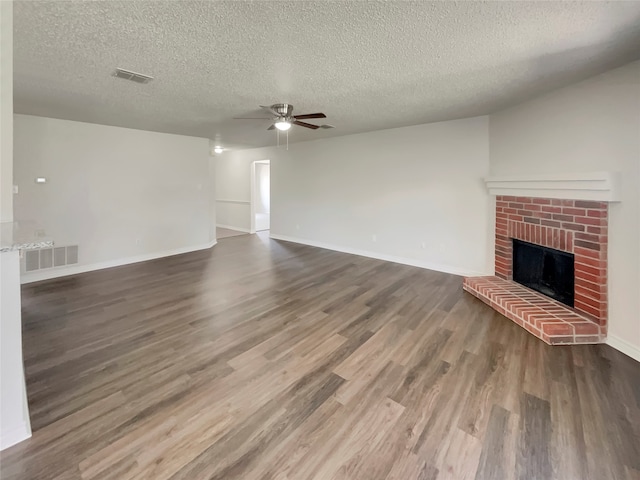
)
(282, 109)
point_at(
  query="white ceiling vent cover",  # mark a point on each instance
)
(133, 76)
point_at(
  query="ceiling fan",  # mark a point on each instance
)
(283, 118)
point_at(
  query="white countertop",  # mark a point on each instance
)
(22, 236)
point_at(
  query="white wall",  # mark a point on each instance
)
(418, 189)
(590, 126)
(263, 187)
(6, 112)
(121, 195)
(233, 189)
(14, 413)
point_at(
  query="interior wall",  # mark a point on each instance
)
(14, 411)
(233, 189)
(121, 195)
(413, 195)
(6, 112)
(587, 127)
(263, 197)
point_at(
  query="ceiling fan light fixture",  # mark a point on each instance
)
(283, 125)
(218, 149)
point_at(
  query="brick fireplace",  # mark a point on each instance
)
(578, 227)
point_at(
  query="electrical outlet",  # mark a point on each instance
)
(374, 238)
(15, 189)
(423, 245)
(138, 241)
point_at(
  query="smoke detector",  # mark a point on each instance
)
(132, 76)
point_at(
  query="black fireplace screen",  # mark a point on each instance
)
(544, 269)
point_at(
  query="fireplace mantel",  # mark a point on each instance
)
(597, 186)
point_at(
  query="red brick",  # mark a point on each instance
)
(597, 213)
(586, 252)
(531, 329)
(550, 223)
(515, 218)
(589, 237)
(570, 242)
(553, 329)
(583, 300)
(542, 201)
(598, 296)
(531, 220)
(551, 209)
(592, 262)
(588, 309)
(586, 328)
(589, 245)
(524, 199)
(580, 282)
(506, 198)
(574, 226)
(579, 267)
(574, 211)
(592, 229)
(510, 210)
(563, 218)
(591, 221)
(517, 206)
(590, 280)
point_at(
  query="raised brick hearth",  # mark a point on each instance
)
(574, 226)
(546, 318)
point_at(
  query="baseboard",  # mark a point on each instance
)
(381, 256)
(15, 435)
(623, 346)
(75, 269)
(237, 229)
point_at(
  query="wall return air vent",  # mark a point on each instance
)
(133, 76)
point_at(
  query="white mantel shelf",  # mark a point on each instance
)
(597, 186)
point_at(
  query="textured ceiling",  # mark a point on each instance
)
(367, 65)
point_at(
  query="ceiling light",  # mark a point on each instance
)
(218, 149)
(283, 125)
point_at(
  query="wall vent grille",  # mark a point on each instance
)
(132, 76)
(45, 258)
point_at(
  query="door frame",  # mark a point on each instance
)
(253, 193)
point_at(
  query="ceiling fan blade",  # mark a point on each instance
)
(252, 118)
(306, 125)
(272, 127)
(269, 109)
(310, 115)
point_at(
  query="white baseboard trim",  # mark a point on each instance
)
(15, 435)
(237, 229)
(382, 256)
(75, 269)
(623, 346)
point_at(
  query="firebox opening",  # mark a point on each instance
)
(545, 270)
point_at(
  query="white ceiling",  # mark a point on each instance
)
(367, 65)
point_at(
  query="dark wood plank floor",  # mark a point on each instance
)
(268, 360)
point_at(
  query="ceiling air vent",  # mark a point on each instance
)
(133, 76)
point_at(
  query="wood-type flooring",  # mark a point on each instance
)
(267, 360)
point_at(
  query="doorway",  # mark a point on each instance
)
(260, 196)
